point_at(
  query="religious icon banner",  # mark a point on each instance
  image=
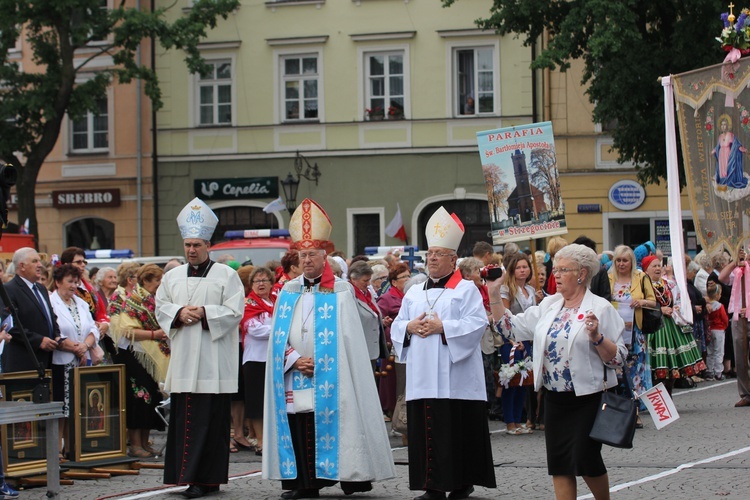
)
(97, 423)
(523, 183)
(713, 108)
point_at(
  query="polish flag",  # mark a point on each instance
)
(395, 228)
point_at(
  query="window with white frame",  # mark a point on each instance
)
(90, 133)
(103, 8)
(215, 94)
(384, 76)
(300, 79)
(474, 80)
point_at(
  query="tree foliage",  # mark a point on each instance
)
(64, 36)
(625, 46)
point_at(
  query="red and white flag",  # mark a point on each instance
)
(24, 229)
(660, 405)
(395, 228)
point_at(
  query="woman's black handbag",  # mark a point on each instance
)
(652, 318)
(615, 418)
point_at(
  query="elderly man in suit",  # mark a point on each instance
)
(31, 301)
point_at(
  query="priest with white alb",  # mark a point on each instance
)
(437, 334)
(200, 305)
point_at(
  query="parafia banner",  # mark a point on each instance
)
(523, 184)
(713, 106)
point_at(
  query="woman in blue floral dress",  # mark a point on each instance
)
(631, 291)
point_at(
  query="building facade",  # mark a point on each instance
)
(385, 98)
(94, 189)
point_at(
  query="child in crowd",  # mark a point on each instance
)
(718, 321)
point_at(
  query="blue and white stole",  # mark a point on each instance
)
(324, 383)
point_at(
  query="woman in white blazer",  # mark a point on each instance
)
(78, 335)
(577, 337)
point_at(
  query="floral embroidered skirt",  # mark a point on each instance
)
(674, 353)
(142, 394)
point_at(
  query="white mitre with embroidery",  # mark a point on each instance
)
(196, 220)
(444, 230)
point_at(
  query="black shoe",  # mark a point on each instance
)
(198, 490)
(462, 493)
(431, 495)
(351, 488)
(308, 493)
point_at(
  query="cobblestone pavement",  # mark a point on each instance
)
(705, 454)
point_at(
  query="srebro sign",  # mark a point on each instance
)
(234, 189)
(86, 198)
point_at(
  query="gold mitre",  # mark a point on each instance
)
(196, 220)
(444, 230)
(310, 226)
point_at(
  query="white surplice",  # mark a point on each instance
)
(202, 361)
(445, 371)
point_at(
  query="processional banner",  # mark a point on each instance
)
(713, 106)
(523, 183)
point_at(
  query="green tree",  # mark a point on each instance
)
(625, 46)
(33, 103)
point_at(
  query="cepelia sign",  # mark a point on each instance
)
(237, 189)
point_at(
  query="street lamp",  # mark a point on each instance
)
(290, 185)
(311, 172)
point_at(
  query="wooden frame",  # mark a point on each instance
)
(97, 414)
(24, 443)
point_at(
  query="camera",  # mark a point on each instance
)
(491, 272)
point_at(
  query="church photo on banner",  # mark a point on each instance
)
(523, 184)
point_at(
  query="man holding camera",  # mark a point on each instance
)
(437, 334)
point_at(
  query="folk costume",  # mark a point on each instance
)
(146, 361)
(674, 353)
(449, 445)
(203, 371)
(325, 428)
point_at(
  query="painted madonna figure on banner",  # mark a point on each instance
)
(729, 158)
(713, 106)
